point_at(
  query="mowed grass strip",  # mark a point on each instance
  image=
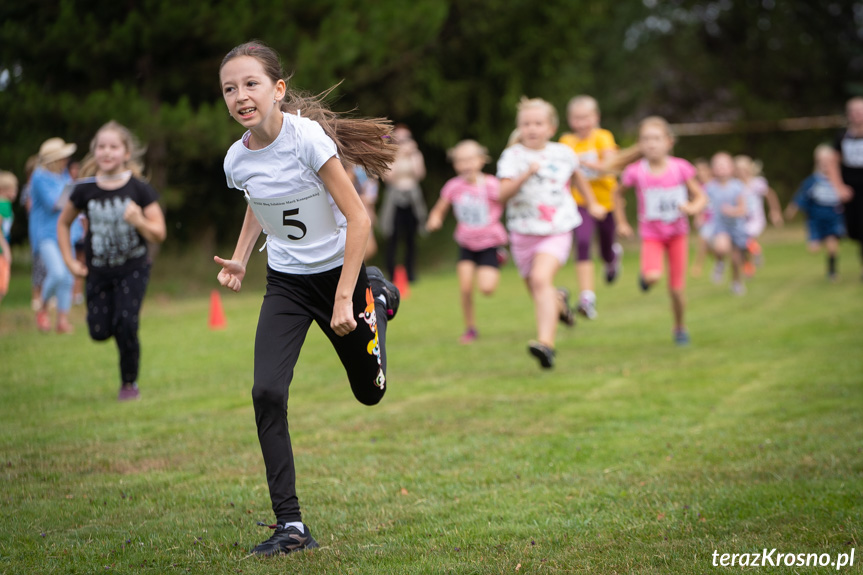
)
(631, 456)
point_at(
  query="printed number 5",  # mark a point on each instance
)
(286, 221)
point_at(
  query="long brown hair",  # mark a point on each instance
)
(366, 142)
(133, 146)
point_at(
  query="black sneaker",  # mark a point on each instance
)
(381, 285)
(285, 540)
(566, 316)
(543, 353)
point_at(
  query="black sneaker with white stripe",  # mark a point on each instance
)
(285, 539)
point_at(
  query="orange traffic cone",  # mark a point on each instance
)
(400, 279)
(217, 314)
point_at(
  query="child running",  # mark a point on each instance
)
(595, 147)
(479, 234)
(728, 204)
(8, 192)
(536, 175)
(288, 166)
(757, 189)
(819, 200)
(667, 192)
(123, 215)
(703, 219)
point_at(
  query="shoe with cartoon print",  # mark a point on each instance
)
(382, 286)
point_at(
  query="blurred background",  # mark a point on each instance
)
(450, 69)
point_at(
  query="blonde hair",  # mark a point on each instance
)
(754, 166)
(538, 104)
(480, 150)
(8, 180)
(132, 144)
(823, 149)
(514, 138)
(634, 153)
(365, 142)
(582, 100)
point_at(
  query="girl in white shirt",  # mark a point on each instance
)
(288, 166)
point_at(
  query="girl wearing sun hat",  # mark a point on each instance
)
(49, 179)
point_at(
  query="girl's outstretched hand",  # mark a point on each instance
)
(232, 273)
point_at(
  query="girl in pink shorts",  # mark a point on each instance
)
(535, 176)
(667, 192)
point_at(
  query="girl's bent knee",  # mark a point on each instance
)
(268, 395)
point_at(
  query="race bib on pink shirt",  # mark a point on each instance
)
(663, 204)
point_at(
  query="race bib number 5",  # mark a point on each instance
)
(301, 218)
(663, 204)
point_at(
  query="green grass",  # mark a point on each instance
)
(632, 456)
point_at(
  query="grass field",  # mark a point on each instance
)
(632, 456)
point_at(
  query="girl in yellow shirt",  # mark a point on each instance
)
(594, 147)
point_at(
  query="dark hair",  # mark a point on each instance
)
(366, 142)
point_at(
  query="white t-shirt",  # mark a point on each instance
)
(543, 206)
(283, 185)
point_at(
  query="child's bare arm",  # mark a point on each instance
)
(596, 210)
(623, 227)
(64, 241)
(697, 198)
(510, 186)
(774, 207)
(437, 215)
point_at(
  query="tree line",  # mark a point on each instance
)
(450, 69)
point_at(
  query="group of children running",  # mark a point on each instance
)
(293, 166)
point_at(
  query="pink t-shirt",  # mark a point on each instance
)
(478, 212)
(659, 197)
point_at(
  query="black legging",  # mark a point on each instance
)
(114, 301)
(290, 305)
(405, 225)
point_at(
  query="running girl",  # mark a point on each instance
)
(474, 197)
(757, 190)
(536, 175)
(728, 205)
(595, 147)
(123, 216)
(287, 164)
(820, 201)
(667, 192)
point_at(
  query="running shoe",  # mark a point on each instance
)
(566, 316)
(285, 539)
(502, 256)
(43, 322)
(718, 272)
(748, 269)
(129, 392)
(381, 285)
(543, 353)
(587, 308)
(469, 336)
(613, 269)
(681, 337)
(642, 284)
(737, 288)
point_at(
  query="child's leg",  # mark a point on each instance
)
(100, 292)
(363, 351)
(651, 261)
(832, 245)
(487, 278)
(129, 295)
(700, 256)
(546, 302)
(465, 270)
(678, 255)
(282, 328)
(584, 269)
